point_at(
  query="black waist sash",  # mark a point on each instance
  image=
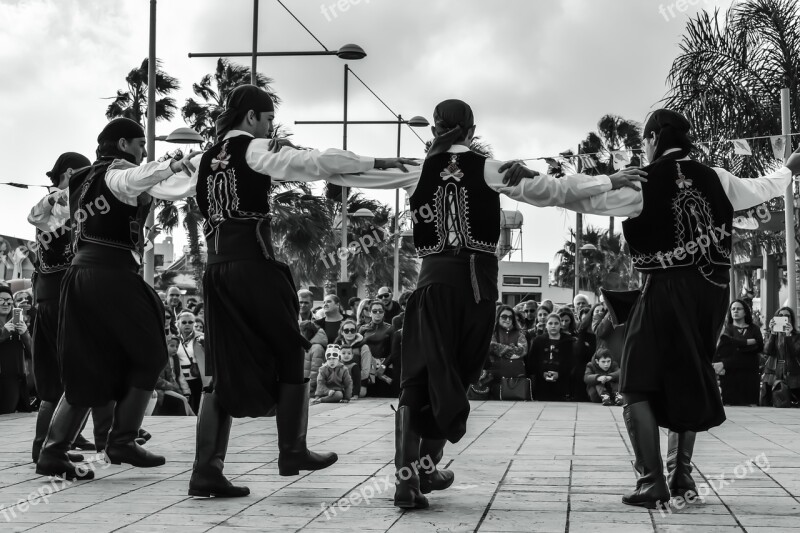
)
(241, 239)
(463, 270)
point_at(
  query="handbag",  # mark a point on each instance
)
(507, 368)
(781, 394)
(477, 393)
(516, 389)
(194, 369)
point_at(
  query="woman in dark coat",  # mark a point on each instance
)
(378, 337)
(783, 358)
(549, 362)
(15, 347)
(737, 357)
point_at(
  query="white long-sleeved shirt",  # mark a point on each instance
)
(49, 217)
(742, 193)
(347, 169)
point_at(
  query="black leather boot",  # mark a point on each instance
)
(213, 431)
(651, 487)
(102, 418)
(122, 446)
(64, 427)
(679, 464)
(437, 479)
(292, 421)
(407, 493)
(43, 418)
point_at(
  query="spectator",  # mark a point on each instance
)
(602, 379)
(174, 300)
(507, 349)
(199, 326)
(333, 316)
(24, 300)
(334, 383)
(352, 307)
(397, 322)
(170, 328)
(568, 321)
(315, 355)
(529, 314)
(586, 342)
(163, 296)
(191, 303)
(610, 337)
(306, 301)
(547, 304)
(548, 363)
(539, 327)
(783, 358)
(580, 302)
(173, 398)
(378, 336)
(363, 316)
(15, 354)
(737, 357)
(391, 308)
(200, 311)
(191, 354)
(355, 355)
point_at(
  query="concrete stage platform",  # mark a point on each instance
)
(527, 467)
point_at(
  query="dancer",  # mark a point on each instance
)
(256, 358)
(455, 204)
(108, 357)
(679, 236)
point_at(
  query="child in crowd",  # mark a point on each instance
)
(549, 362)
(602, 379)
(334, 383)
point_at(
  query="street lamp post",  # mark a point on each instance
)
(414, 122)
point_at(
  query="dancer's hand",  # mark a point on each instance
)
(793, 163)
(396, 162)
(277, 144)
(628, 177)
(516, 172)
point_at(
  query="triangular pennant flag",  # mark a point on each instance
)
(741, 147)
(552, 162)
(620, 159)
(745, 223)
(588, 161)
(778, 146)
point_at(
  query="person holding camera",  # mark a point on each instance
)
(15, 347)
(783, 357)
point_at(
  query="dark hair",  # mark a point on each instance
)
(672, 129)
(352, 301)
(108, 147)
(573, 327)
(791, 317)
(603, 353)
(403, 300)
(748, 313)
(308, 329)
(514, 320)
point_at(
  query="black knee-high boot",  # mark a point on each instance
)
(43, 418)
(102, 418)
(122, 446)
(407, 493)
(65, 425)
(292, 422)
(679, 463)
(433, 450)
(213, 431)
(651, 487)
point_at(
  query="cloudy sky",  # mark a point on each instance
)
(537, 73)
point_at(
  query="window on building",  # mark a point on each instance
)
(522, 281)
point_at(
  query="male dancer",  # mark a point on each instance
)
(256, 358)
(54, 253)
(679, 235)
(109, 357)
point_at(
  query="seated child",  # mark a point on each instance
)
(334, 383)
(602, 378)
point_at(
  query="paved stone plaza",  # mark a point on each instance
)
(549, 467)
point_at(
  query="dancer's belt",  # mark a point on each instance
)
(463, 269)
(236, 240)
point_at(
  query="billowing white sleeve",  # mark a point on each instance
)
(544, 190)
(380, 179)
(47, 217)
(625, 202)
(303, 165)
(127, 181)
(745, 193)
(177, 186)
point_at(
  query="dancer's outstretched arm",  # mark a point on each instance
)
(51, 212)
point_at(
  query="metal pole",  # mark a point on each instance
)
(791, 269)
(149, 256)
(578, 236)
(254, 67)
(396, 285)
(343, 261)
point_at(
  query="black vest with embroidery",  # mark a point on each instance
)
(98, 217)
(228, 189)
(685, 222)
(54, 249)
(453, 207)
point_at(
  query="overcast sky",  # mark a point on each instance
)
(537, 73)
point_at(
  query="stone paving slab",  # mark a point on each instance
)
(521, 467)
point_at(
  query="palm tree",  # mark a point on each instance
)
(169, 214)
(613, 133)
(132, 103)
(214, 89)
(727, 80)
(609, 266)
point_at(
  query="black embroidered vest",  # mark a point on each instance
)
(228, 189)
(685, 222)
(54, 249)
(98, 217)
(453, 207)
